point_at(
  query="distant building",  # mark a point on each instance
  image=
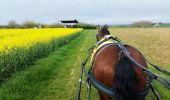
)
(70, 23)
(157, 25)
(40, 26)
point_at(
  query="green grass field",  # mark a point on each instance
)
(55, 77)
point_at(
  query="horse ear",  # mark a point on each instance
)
(98, 28)
(106, 26)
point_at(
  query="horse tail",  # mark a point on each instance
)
(125, 79)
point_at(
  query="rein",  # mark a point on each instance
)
(90, 80)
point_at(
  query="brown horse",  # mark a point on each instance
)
(112, 68)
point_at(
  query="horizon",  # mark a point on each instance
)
(58, 22)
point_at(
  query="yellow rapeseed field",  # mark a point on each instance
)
(13, 38)
(22, 47)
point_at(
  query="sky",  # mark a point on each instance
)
(90, 11)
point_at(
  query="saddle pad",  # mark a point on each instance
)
(99, 46)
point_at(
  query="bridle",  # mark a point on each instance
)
(110, 91)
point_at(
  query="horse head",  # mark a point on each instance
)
(102, 31)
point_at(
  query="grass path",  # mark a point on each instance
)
(63, 83)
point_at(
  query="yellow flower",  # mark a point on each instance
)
(13, 38)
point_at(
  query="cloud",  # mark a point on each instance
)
(92, 11)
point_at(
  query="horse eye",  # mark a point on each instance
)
(97, 35)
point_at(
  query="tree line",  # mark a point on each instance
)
(29, 24)
(33, 24)
(144, 24)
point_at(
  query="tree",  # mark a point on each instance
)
(30, 24)
(144, 24)
(55, 25)
(12, 24)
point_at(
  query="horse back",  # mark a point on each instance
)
(104, 65)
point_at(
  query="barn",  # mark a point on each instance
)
(69, 23)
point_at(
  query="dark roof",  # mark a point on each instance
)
(69, 21)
